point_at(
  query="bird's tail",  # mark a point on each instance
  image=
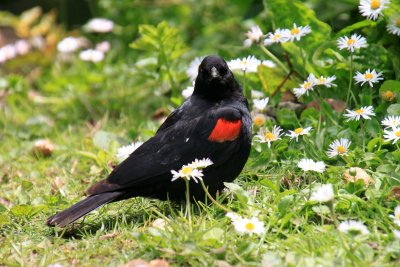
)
(82, 208)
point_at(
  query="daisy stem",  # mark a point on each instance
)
(303, 59)
(213, 199)
(349, 91)
(310, 191)
(244, 84)
(188, 208)
(274, 58)
(363, 134)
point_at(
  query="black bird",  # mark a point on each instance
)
(213, 123)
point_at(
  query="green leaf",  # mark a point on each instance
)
(2, 208)
(214, 233)
(103, 139)
(283, 205)
(22, 210)
(373, 127)
(356, 26)
(373, 143)
(394, 109)
(287, 118)
(4, 219)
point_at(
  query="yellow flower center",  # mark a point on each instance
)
(249, 226)
(307, 85)
(322, 80)
(398, 135)
(368, 76)
(186, 170)
(398, 23)
(359, 111)
(388, 96)
(375, 4)
(295, 31)
(269, 136)
(351, 42)
(298, 130)
(341, 149)
(276, 37)
(259, 120)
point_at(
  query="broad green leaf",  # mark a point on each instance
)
(22, 210)
(214, 233)
(103, 139)
(287, 118)
(4, 219)
(394, 109)
(373, 127)
(358, 25)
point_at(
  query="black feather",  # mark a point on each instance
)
(81, 208)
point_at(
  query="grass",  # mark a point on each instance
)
(297, 232)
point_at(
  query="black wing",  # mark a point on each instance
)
(179, 141)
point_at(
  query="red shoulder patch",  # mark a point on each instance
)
(225, 130)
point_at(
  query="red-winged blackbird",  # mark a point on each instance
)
(213, 123)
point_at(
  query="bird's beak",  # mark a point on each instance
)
(214, 72)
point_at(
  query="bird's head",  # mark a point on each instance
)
(215, 80)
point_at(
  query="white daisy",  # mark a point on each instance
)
(396, 216)
(391, 122)
(245, 225)
(69, 45)
(372, 8)
(7, 52)
(254, 35)
(339, 147)
(103, 46)
(393, 26)
(307, 86)
(268, 63)
(365, 112)
(279, 36)
(99, 25)
(353, 227)
(310, 165)
(187, 172)
(323, 194)
(22, 47)
(326, 81)
(298, 31)
(188, 91)
(194, 68)
(200, 164)
(392, 135)
(299, 131)
(352, 43)
(246, 64)
(124, 151)
(256, 94)
(259, 119)
(266, 136)
(91, 55)
(369, 76)
(260, 104)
